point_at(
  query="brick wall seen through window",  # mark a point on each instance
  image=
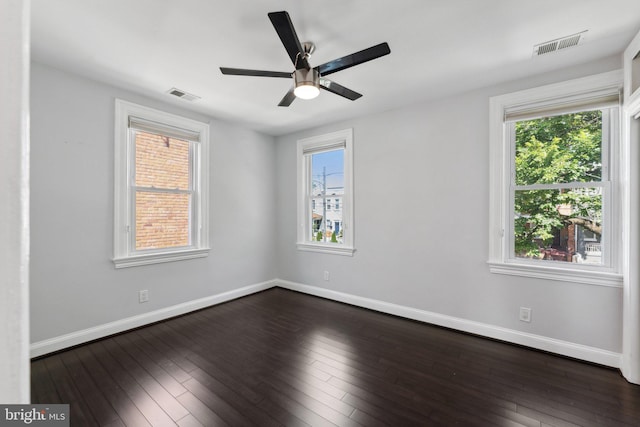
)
(162, 213)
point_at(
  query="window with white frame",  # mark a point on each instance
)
(554, 181)
(161, 186)
(325, 193)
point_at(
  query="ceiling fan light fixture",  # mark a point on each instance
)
(306, 83)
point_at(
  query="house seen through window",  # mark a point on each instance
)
(327, 182)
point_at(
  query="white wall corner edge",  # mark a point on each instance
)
(552, 345)
(71, 339)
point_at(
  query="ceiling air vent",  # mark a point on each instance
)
(558, 44)
(182, 94)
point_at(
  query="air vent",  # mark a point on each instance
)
(182, 94)
(558, 44)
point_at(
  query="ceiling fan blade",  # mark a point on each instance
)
(256, 73)
(354, 59)
(282, 23)
(334, 87)
(288, 99)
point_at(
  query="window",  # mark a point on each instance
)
(554, 181)
(325, 174)
(161, 191)
(559, 182)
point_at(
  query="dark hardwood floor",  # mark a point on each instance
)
(283, 358)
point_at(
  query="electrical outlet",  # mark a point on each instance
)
(525, 314)
(326, 275)
(143, 296)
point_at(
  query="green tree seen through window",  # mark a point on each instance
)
(556, 150)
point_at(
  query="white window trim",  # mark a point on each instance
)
(499, 179)
(318, 142)
(122, 255)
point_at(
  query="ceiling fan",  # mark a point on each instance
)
(308, 81)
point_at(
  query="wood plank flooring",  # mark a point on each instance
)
(283, 358)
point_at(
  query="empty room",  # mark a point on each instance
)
(337, 213)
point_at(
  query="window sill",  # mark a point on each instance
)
(589, 277)
(327, 249)
(157, 258)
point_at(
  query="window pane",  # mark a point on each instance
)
(326, 223)
(162, 220)
(559, 149)
(559, 225)
(161, 162)
(327, 173)
(327, 170)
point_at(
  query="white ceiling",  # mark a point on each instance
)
(437, 47)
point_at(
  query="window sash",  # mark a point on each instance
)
(140, 125)
(194, 153)
(328, 206)
(134, 190)
(604, 183)
(326, 198)
(607, 117)
(134, 232)
(193, 158)
(605, 237)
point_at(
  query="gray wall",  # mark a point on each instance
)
(421, 206)
(74, 285)
(421, 223)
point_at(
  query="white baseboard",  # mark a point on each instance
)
(79, 337)
(565, 348)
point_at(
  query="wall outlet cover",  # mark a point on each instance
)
(143, 296)
(525, 314)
